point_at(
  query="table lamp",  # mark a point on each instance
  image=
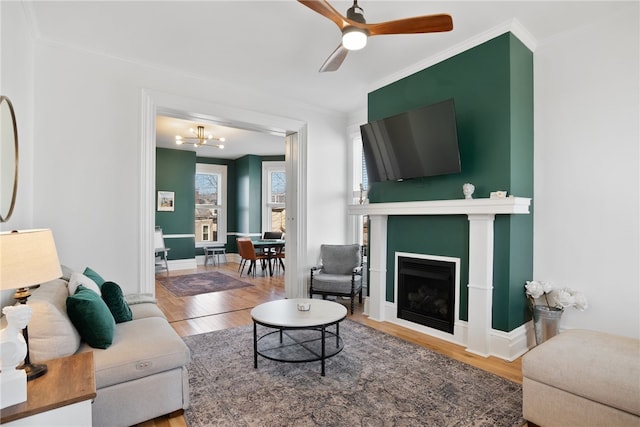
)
(27, 258)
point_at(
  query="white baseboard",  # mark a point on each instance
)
(230, 258)
(182, 264)
(504, 345)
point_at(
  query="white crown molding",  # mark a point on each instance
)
(513, 26)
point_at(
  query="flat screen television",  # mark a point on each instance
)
(418, 143)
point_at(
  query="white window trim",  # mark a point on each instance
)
(267, 168)
(222, 208)
(355, 224)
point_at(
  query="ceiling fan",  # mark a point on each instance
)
(355, 29)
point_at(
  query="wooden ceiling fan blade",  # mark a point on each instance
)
(335, 60)
(416, 25)
(325, 9)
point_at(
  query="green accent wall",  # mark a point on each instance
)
(249, 194)
(492, 86)
(175, 171)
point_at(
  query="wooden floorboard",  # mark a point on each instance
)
(228, 309)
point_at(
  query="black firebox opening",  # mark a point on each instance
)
(426, 292)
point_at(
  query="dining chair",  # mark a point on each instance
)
(248, 254)
(161, 251)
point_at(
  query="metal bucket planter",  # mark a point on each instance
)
(546, 321)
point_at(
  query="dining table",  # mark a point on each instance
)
(272, 248)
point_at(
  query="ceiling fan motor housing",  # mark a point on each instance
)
(356, 13)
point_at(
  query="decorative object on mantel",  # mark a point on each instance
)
(546, 316)
(467, 190)
(200, 138)
(498, 195)
(363, 195)
(27, 258)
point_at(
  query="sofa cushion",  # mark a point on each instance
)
(78, 279)
(91, 274)
(595, 365)
(91, 317)
(340, 259)
(66, 272)
(140, 311)
(51, 333)
(140, 348)
(113, 297)
(337, 283)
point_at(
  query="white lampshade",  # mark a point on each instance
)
(354, 38)
(27, 258)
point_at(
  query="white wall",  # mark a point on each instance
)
(87, 143)
(16, 67)
(16, 83)
(587, 185)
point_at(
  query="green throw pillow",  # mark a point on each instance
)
(91, 317)
(113, 297)
(93, 276)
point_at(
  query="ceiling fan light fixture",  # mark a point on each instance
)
(354, 38)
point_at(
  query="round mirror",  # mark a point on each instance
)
(8, 159)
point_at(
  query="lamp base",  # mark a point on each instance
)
(34, 370)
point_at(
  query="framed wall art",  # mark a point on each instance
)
(166, 200)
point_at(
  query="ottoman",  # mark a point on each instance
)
(582, 378)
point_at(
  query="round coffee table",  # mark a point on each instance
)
(298, 336)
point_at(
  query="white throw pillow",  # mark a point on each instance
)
(78, 279)
(51, 333)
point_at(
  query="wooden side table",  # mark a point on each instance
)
(61, 397)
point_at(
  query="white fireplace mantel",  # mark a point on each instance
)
(481, 214)
(507, 205)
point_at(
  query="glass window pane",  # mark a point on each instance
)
(207, 189)
(278, 185)
(365, 177)
(206, 223)
(278, 219)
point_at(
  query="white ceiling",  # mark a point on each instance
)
(277, 47)
(238, 142)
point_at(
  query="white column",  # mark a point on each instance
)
(480, 283)
(377, 259)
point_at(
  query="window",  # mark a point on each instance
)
(359, 187)
(210, 209)
(274, 196)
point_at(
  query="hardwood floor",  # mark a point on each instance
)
(222, 310)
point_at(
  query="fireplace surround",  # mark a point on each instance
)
(476, 334)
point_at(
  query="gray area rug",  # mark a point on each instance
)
(200, 283)
(377, 380)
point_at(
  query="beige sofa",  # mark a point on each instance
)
(140, 376)
(582, 378)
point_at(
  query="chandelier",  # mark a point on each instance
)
(199, 138)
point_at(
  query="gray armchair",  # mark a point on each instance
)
(340, 273)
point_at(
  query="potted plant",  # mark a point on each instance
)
(548, 304)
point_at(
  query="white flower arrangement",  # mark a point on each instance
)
(555, 298)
